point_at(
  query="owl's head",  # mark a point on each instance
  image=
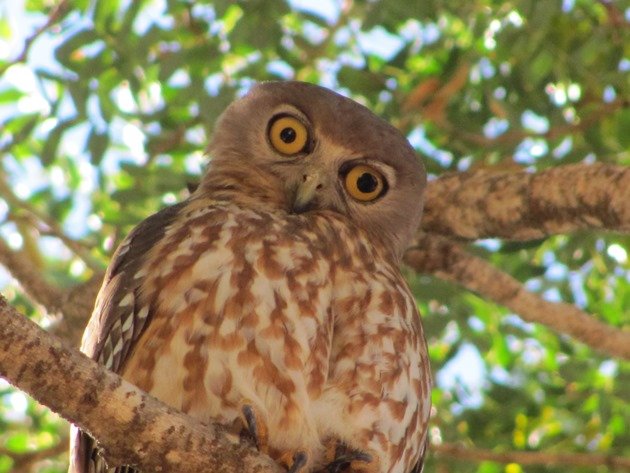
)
(301, 148)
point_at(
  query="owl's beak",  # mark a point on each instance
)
(306, 193)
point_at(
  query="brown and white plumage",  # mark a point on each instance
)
(276, 287)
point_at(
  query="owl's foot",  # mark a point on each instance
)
(342, 458)
(256, 427)
(293, 462)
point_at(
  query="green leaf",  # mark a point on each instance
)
(51, 143)
(11, 95)
(97, 144)
(64, 53)
(361, 81)
(5, 28)
(17, 442)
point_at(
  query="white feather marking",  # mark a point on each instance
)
(142, 313)
(211, 263)
(124, 248)
(118, 348)
(224, 290)
(127, 300)
(194, 295)
(142, 273)
(115, 329)
(110, 361)
(128, 324)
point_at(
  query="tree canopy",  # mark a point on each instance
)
(520, 109)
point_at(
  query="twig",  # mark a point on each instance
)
(132, 426)
(76, 307)
(57, 14)
(447, 260)
(75, 303)
(38, 217)
(516, 136)
(459, 452)
(30, 278)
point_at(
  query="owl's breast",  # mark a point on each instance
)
(241, 301)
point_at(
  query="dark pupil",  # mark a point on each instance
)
(367, 183)
(288, 135)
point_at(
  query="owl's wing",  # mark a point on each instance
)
(419, 467)
(118, 319)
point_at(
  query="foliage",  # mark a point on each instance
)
(105, 118)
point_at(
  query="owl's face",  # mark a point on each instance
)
(307, 149)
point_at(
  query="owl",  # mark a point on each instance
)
(271, 300)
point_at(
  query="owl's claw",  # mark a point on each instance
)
(296, 463)
(256, 429)
(347, 459)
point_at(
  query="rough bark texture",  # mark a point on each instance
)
(525, 206)
(132, 426)
(447, 260)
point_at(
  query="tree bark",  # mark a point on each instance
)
(525, 206)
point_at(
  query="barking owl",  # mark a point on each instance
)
(270, 300)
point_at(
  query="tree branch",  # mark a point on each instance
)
(530, 458)
(440, 256)
(38, 219)
(22, 462)
(75, 304)
(132, 426)
(30, 278)
(526, 206)
(56, 15)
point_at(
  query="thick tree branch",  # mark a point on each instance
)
(526, 206)
(132, 426)
(447, 260)
(531, 458)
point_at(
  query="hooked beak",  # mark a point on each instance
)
(306, 193)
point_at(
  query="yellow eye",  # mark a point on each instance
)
(288, 135)
(364, 183)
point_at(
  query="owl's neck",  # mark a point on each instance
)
(242, 185)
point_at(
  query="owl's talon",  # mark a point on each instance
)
(255, 428)
(348, 462)
(296, 463)
(346, 459)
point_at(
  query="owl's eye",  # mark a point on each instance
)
(288, 135)
(364, 183)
